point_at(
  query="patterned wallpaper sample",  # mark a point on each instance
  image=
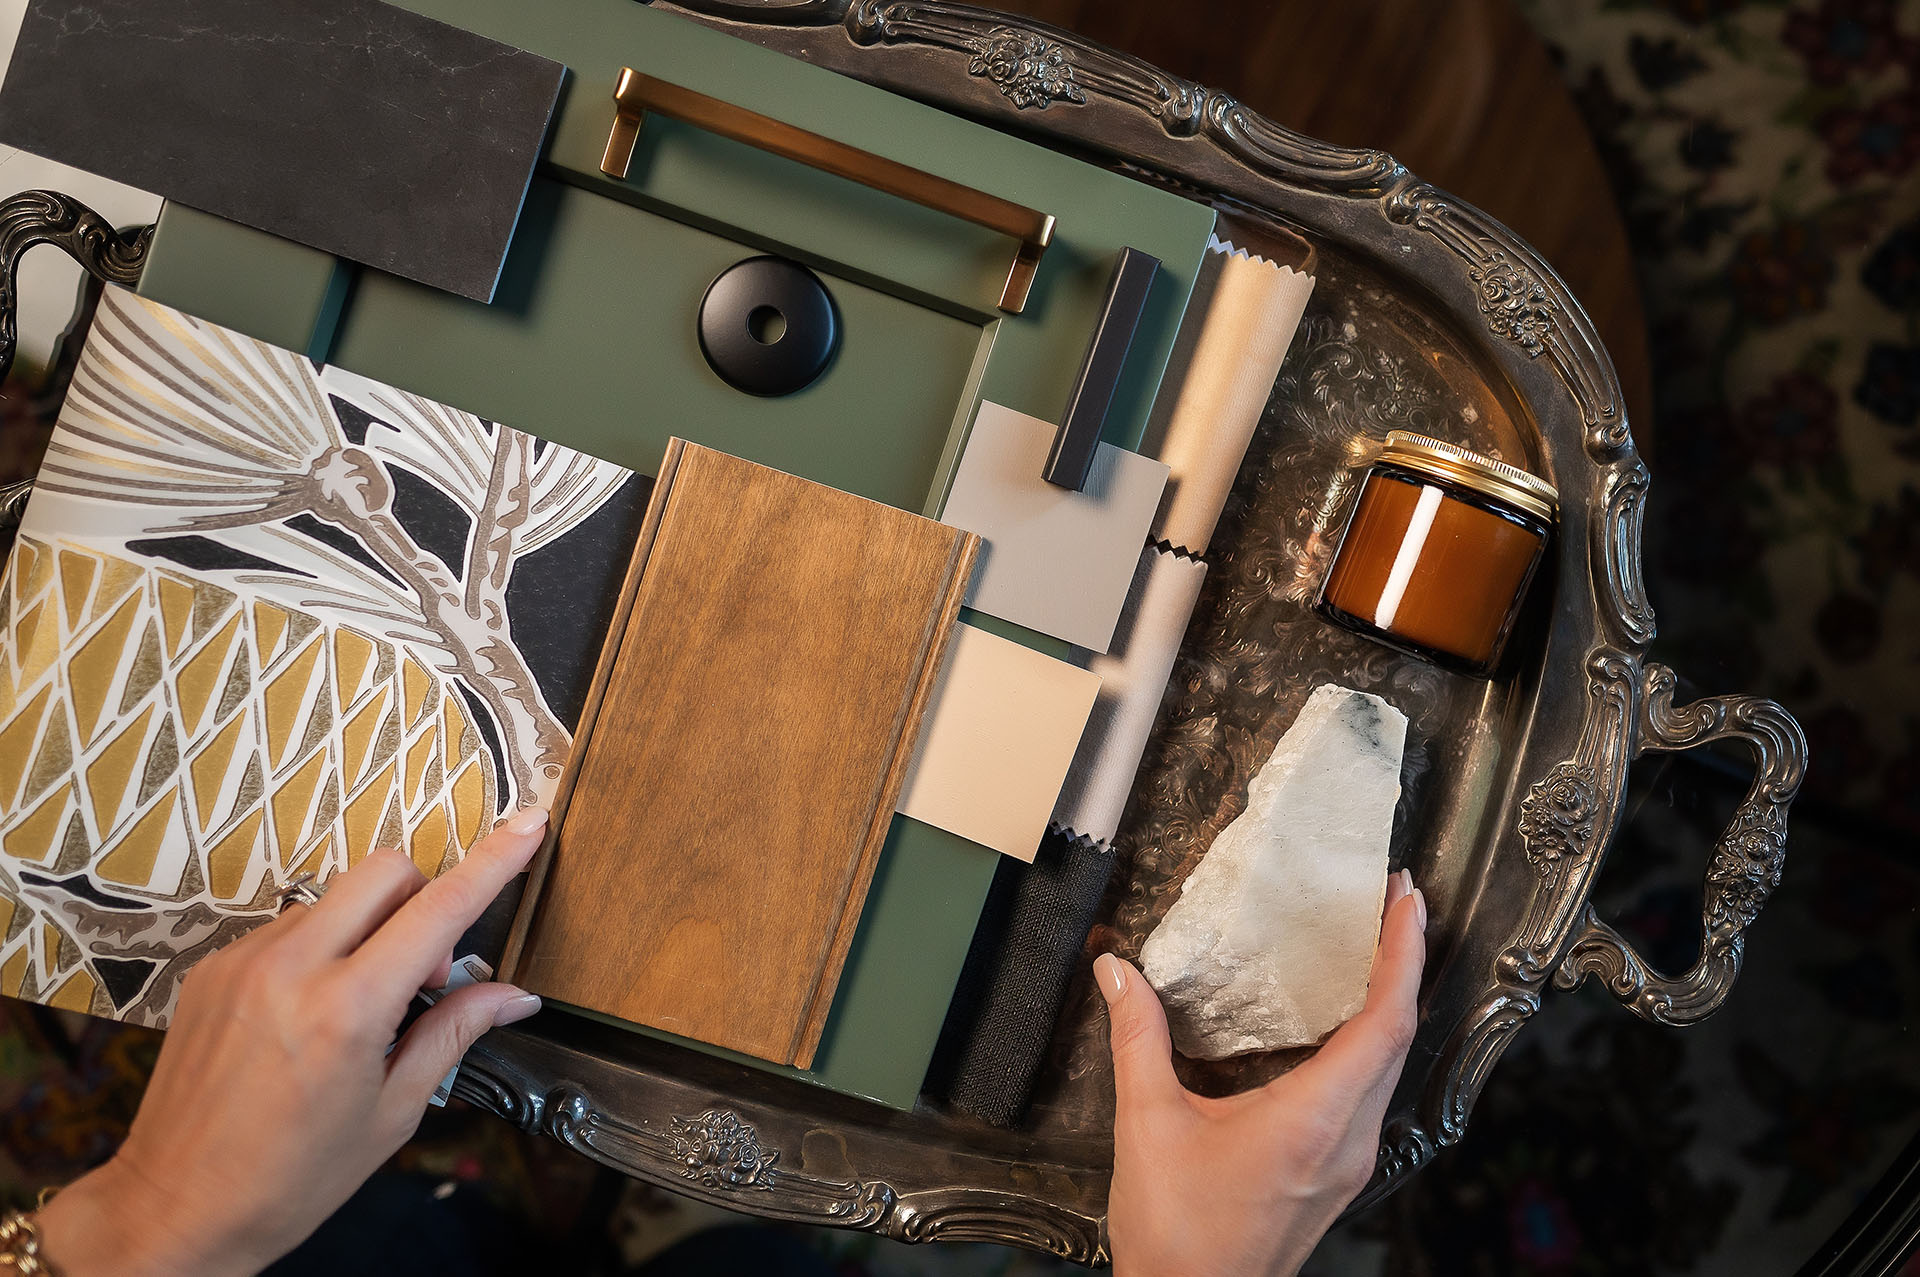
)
(262, 617)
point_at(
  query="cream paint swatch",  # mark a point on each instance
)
(1133, 677)
(1055, 560)
(1238, 327)
(997, 741)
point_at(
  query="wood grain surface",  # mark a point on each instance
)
(1462, 93)
(741, 755)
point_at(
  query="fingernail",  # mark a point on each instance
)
(1111, 975)
(513, 1010)
(1420, 902)
(530, 820)
(1398, 884)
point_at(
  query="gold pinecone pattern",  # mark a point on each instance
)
(177, 744)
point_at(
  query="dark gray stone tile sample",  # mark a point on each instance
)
(352, 126)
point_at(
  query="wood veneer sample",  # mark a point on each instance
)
(742, 750)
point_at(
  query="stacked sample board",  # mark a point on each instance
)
(591, 341)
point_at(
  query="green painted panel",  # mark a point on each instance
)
(779, 204)
(906, 956)
(590, 342)
(1058, 649)
(259, 284)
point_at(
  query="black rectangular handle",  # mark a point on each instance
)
(1078, 436)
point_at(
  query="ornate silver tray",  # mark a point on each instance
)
(1427, 315)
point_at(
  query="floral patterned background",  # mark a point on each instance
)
(1766, 157)
(1766, 154)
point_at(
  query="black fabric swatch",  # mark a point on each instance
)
(1024, 954)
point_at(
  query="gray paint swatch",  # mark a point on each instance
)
(352, 126)
(1056, 560)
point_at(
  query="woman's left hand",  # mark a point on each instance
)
(275, 1095)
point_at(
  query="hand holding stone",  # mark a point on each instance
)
(1247, 1184)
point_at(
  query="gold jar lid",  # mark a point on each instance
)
(1490, 478)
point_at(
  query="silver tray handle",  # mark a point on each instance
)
(1744, 870)
(48, 217)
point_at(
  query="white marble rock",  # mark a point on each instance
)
(1271, 941)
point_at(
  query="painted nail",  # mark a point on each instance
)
(1398, 884)
(1420, 902)
(529, 820)
(1111, 975)
(513, 1010)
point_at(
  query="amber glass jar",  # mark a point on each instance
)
(1439, 551)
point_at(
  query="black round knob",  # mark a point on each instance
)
(767, 326)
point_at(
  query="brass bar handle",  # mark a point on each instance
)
(636, 94)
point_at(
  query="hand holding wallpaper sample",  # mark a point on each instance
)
(263, 616)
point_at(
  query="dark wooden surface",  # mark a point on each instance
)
(780, 645)
(1460, 91)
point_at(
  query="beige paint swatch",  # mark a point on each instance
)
(1055, 560)
(1133, 675)
(1238, 327)
(997, 741)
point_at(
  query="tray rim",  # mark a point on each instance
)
(729, 1139)
(1122, 109)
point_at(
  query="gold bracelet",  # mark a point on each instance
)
(20, 1245)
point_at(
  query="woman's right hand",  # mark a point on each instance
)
(1248, 1184)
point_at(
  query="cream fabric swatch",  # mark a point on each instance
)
(1055, 560)
(1239, 324)
(1133, 677)
(996, 742)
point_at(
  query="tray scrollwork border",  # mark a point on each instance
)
(1023, 75)
(655, 1125)
(721, 1156)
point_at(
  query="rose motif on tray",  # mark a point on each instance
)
(1515, 302)
(1031, 70)
(1746, 867)
(721, 1151)
(1557, 819)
